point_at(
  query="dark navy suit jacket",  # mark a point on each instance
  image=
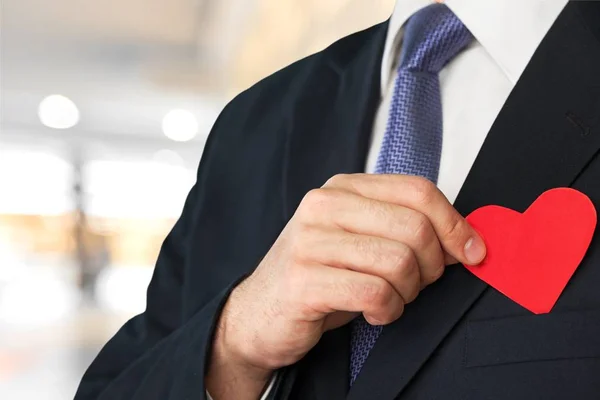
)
(460, 339)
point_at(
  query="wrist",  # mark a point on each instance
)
(238, 359)
(233, 344)
(229, 374)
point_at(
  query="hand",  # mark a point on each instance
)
(360, 244)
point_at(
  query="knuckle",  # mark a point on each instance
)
(315, 196)
(408, 275)
(397, 311)
(412, 293)
(420, 228)
(403, 260)
(315, 200)
(434, 275)
(338, 180)
(424, 190)
(409, 269)
(377, 294)
(390, 314)
(437, 274)
(454, 228)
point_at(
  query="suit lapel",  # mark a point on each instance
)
(546, 134)
(329, 134)
(332, 120)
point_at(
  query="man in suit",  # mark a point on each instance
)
(291, 275)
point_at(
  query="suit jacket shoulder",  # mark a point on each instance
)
(275, 95)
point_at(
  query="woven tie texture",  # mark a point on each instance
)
(412, 142)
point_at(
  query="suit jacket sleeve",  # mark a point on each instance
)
(231, 218)
(163, 352)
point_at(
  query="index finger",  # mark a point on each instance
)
(456, 236)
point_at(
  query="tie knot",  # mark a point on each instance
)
(432, 37)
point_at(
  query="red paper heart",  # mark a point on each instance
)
(531, 256)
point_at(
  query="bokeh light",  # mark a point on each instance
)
(180, 125)
(58, 112)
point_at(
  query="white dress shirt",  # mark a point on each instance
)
(476, 83)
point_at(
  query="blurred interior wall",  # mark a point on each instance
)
(84, 209)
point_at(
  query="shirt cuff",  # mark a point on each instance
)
(265, 393)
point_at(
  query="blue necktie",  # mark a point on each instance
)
(412, 141)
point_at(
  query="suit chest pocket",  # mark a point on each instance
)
(553, 336)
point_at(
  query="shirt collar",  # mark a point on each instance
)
(509, 30)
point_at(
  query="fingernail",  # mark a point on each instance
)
(474, 250)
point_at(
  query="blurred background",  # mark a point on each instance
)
(105, 107)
